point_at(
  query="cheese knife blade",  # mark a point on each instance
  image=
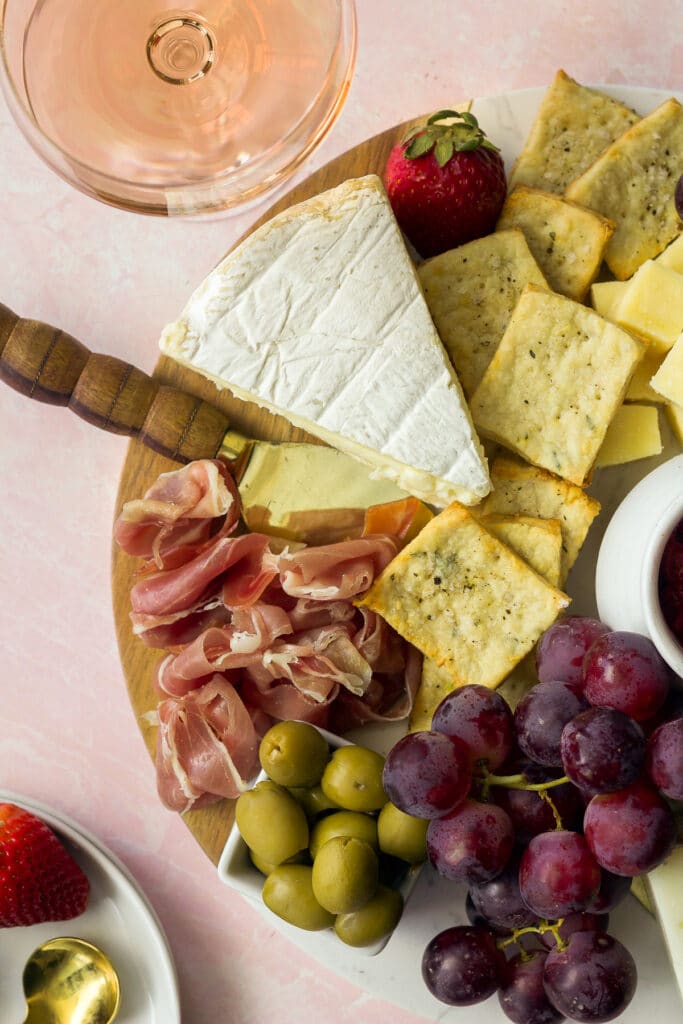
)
(300, 491)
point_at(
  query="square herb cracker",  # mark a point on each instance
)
(519, 488)
(633, 184)
(555, 382)
(538, 541)
(567, 240)
(464, 599)
(471, 292)
(574, 124)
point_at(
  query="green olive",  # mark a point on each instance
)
(288, 892)
(343, 823)
(293, 754)
(265, 867)
(401, 834)
(353, 779)
(372, 922)
(313, 800)
(345, 874)
(271, 822)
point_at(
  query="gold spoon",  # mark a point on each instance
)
(69, 980)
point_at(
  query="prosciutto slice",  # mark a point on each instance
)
(335, 571)
(235, 646)
(179, 590)
(207, 746)
(176, 515)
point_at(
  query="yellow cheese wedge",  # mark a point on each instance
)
(652, 305)
(674, 414)
(632, 434)
(672, 256)
(668, 380)
(606, 296)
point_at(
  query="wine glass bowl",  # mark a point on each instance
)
(163, 110)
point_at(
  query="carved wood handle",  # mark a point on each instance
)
(46, 364)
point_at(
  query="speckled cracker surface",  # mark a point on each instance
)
(633, 184)
(524, 489)
(566, 240)
(555, 382)
(471, 292)
(574, 124)
(464, 599)
(538, 541)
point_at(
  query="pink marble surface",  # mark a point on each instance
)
(67, 733)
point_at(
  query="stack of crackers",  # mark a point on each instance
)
(546, 376)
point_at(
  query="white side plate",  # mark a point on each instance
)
(119, 919)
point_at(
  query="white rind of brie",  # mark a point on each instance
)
(319, 316)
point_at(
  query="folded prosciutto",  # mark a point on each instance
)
(254, 632)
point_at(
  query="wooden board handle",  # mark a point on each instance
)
(46, 364)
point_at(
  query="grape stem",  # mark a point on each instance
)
(540, 929)
(518, 782)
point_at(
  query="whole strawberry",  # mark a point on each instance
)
(39, 879)
(446, 183)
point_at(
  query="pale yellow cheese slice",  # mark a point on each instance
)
(632, 434)
(674, 414)
(606, 296)
(668, 380)
(640, 389)
(652, 305)
(672, 256)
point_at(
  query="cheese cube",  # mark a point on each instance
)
(606, 296)
(632, 434)
(672, 256)
(652, 305)
(674, 414)
(668, 380)
(640, 389)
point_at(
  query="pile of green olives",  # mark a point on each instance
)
(333, 849)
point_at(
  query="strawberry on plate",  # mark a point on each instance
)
(39, 879)
(446, 183)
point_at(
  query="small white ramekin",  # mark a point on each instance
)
(627, 571)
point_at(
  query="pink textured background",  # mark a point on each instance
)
(67, 733)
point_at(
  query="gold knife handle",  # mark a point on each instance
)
(44, 363)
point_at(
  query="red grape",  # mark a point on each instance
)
(562, 648)
(541, 716)
(602, 750)
(462, 965)
(665, 758)
(558, 874)
(482, 719)
(427, 774)
(613, 889)
(592, 979)
(471, 844)
(522, 994)
(631, 831)
(499, 900)
(529, 812)
(625, 671)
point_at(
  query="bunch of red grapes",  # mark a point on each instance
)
(546, 815)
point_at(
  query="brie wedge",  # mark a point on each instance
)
(319, 316)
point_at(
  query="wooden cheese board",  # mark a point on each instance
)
(210, 825)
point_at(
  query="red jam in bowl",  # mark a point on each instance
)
(671, 582)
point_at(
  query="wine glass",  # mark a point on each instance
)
(175, 110)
